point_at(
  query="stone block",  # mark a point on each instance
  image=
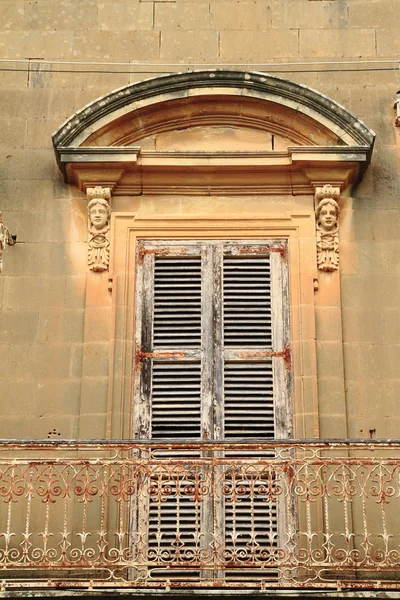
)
(303, 14)
(386, 225)
(333, 425)
(243, 46)
(34, 292)
(27, 258)
(73, 326)
(370, 361)
(76, 361)
(4, 358)
(392, 251)
(95, 359)
(50, 323)
(93, 427)
(38, 361)
(386, 358)
(20, 394)
(337, 43)
(330, 359)
(366, 13)
(328, 293)
(12, 15)
(75, 291)
(97, 293)
(328, 321)
(70, 258)
(97, 324)
(12, 133)
(362, 325)
(94, 395)
(110, 45)
(369, 258)
(41, 15)
(14, 79)
(236, 15)
(26, 194)
(57, 397)
(189, 46)
(45, 427)
(125, 16)
(36, 226)
(39, 132)
(47, 44)
(19, 326)
(36, 164)
(192, 16)
(27, 103)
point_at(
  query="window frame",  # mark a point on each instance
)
(212, 405)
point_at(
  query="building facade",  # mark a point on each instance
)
(199, 294)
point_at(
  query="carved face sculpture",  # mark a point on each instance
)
(328, 216)
(98, 215)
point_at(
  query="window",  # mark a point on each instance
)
(212, 331)
(212, 326)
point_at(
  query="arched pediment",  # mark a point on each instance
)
(217, 114)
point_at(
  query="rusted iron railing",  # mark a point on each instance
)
(277, 514)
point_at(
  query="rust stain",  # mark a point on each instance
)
(287, 357)
(139, 356)
(286, 354)
(264, 250)
(142, 251)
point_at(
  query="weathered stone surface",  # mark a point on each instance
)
(337, 43)
(189, 46)
(191, 16)
(60, 321)
(244, 46)
(110, 45)
(238, 15)
(125, 16)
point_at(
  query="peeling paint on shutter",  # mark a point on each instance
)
(212, 337)
(249, 400)
(247, 301)
(176, 402)
(177, 302)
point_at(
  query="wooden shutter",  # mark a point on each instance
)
(255, 393)
(212, 340)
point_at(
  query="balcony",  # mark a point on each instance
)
(256, 515)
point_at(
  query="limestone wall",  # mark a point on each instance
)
(43, 285)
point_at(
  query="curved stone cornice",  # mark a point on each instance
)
(349, 130)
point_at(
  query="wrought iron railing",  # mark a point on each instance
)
(242, 514)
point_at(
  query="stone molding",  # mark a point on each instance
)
(295, 171)
(99, 214)
(299, 98)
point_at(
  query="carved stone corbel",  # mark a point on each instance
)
(397, 107)
(99, 214)
(5, 238)
(327, 218)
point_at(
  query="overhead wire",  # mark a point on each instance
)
(148, 68)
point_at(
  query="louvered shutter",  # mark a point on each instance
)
(168, 394)
(255, 392)
(211, 335)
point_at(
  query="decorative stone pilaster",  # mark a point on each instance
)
(5, 238)
(99, 213)
(327, 217)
